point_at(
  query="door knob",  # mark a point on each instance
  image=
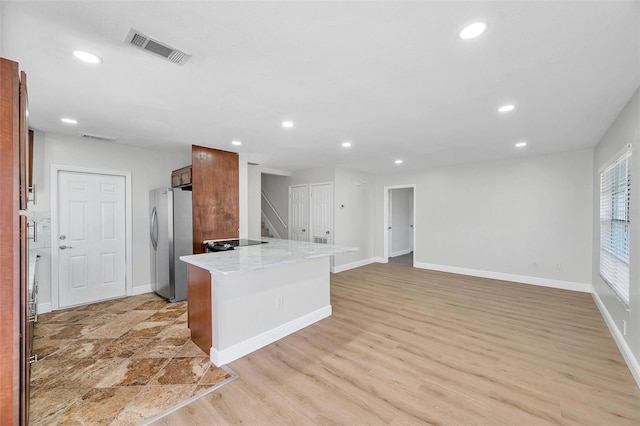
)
(63, 247)
(63, 237)
(303, 230)
(327, 232)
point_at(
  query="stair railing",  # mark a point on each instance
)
(274, 210)
(270, 226)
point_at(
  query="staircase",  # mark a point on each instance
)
(264, 231)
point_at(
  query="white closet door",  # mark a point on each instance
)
(321, 213)
(299, 212)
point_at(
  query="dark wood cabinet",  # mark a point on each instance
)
(16, 326)
(181, 177)
(11, 351)
(216, 212)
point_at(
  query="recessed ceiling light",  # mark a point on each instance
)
(506, 108)
(236, 143)
(287, 124)
(473, 30)
(87, 57)
(398, 161)
(521, 144)
(346, 144)
(69, 120)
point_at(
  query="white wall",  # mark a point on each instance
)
(254, 182)
(353, 223)
(244, 189)
(502, 216)
(624, 130)
(308, 176)
(401, 210)
(149, 169)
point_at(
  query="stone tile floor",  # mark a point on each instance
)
(118, 362)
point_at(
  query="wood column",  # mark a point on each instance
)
(216, 201)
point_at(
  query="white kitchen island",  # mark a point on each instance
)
(243, 299)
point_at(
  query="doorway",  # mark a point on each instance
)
(399, 230)
(91, 237)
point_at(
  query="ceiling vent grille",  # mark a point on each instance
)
(149, 44)
(98, 137)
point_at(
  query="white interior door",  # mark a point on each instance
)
(390, 227)
(321, 212)
(411, 218)
(91, 237)
(299, 213)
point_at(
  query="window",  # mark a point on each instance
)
(615, 197)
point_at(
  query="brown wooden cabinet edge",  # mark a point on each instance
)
(9, 240)
(199, 307)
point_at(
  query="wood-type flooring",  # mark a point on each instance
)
(410, 346)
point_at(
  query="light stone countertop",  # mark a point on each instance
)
(250, 258)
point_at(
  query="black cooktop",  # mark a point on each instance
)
(226, 245)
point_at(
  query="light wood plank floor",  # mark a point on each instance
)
(408, 346)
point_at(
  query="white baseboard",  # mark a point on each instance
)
(352, 265)
(142, 289)
(524, 279)
(400, 252)
(380, 260)
(241, 349)
(43, 308)
(625, 350)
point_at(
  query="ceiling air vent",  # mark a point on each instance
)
(98, 137)
(149, 44)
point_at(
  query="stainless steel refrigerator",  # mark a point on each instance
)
(171, 237)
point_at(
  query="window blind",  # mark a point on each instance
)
(615, 197)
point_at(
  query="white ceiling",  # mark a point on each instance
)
(392, 77)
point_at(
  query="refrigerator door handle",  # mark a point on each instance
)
(154, 228)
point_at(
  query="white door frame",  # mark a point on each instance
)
(385, 231)
(55, 168)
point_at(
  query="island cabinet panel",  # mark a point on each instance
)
(254, 295)
(215, 179)
(199, 303)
